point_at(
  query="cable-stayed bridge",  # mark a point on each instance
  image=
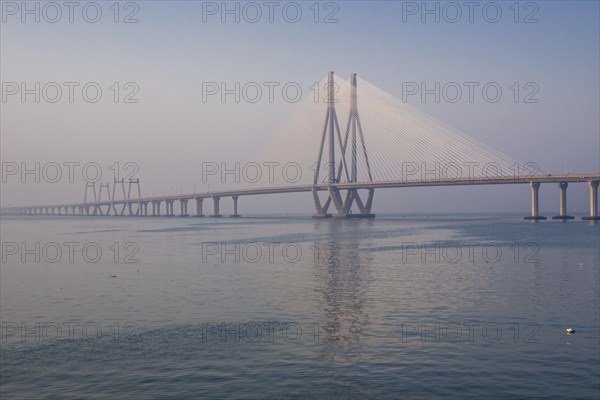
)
(384, 143)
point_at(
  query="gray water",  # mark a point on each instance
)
(396, 307)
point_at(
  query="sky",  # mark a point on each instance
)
(159, 119)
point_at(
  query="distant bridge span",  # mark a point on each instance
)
(139, 206)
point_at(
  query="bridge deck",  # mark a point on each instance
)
(571, 178)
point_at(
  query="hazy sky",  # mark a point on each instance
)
(543, 55)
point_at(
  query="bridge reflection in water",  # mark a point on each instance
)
(342, 283)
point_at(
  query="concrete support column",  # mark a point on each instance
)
(169, 204)
(593, 202)
(563, 202)
(156, 208)
(235, 207)
(216, 213)
(199, 201)
(183, 208)
(143, 208)
(535, 215)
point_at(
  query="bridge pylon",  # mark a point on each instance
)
(118, 183)
(92, 186)
(354, 134)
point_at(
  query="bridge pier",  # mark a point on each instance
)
(130, 209)
(216, 213)
(116, 212)
(156, 208)
(169, 205)
(563, 202)
(183, 208)
(593, 202)
(235, 207)
(535, 215)
(199, 201)
(143, 208)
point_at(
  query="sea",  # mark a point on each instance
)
(289, 307)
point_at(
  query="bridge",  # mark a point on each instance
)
(347, 170)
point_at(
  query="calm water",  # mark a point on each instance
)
(459, 307)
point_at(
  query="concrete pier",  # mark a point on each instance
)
(130, 209)
(216, 213)
(183, 208)
(199, 201)
(144, 208)
(535, 214)
(235, 207)
(563, 202)
(156, 208)
(169, 204)
(593, 202)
